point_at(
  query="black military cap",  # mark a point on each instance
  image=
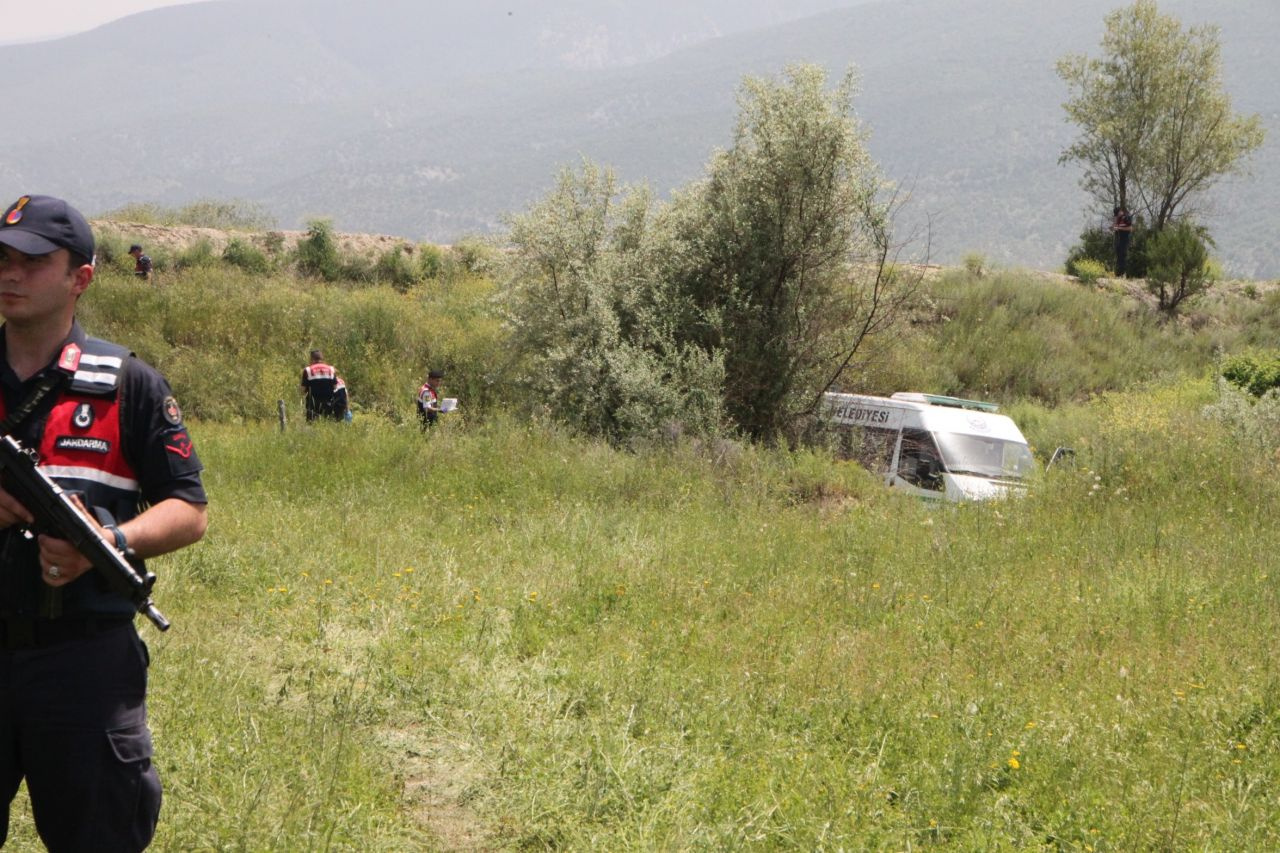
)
(40, 224)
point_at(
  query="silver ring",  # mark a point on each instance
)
(55, 572)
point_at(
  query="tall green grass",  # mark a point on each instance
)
(233, 343)
(497, 636)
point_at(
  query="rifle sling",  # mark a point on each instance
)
(51, 381)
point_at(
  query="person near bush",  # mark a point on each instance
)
(429, 399)
(1122, 227)
(324, 391)
(141, 262)
(73, 670)
(341, 405)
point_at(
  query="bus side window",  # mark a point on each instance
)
(919, 462)
(871, 447)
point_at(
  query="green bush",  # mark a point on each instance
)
(243, 254)
(396, 267)
(1088, 270)
(1098, 244)
(317, 254)
(431, 261)
(198, 254)
(1256, 373)
(1178, 265)
(975, 263)
(474, 256)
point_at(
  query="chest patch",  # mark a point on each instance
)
(83, 417)
(81, 442)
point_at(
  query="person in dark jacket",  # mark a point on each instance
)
(107, 429)
(141, 262)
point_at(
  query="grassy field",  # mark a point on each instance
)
(501, 637)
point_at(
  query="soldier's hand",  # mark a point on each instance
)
(12, 512)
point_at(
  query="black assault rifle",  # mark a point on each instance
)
(58, 515)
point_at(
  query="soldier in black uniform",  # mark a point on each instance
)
(141, 262)
(73, 670)
(324, 391)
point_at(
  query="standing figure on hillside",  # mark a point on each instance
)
(141, 262)
(429, 399)
(320, 385)
(1122, 226)
(73, 670)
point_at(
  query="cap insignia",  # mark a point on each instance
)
(15, 215)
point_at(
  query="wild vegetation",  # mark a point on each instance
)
(547, 624)
(1157, 132)
(505, 635)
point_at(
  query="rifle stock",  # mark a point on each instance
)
(58, 515)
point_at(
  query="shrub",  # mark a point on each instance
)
(975, 263)
(317, 253)
(1088, 270)
(396, 268)
(1098, 244)
(198, 254)
(246, 256)
(1178, 264)
(1255, 373)
(431, 261)
(473, 256)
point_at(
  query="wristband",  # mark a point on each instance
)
(122, 544)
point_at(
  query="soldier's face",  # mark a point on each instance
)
(35, 287)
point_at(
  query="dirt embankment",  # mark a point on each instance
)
(178, 237)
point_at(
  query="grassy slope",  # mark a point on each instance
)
(502, 636)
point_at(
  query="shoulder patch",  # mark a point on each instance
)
(172, 413)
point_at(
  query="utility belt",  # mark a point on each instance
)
(19, 633)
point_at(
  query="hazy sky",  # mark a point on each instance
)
(33, 20)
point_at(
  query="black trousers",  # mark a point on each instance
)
(73, 723)
(1122, 251)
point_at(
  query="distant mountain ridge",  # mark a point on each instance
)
(430, 123)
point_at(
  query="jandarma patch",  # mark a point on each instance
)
(75, 442)
(15, 215)
(172, 413)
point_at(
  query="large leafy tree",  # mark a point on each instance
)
(738, 303)
(592, 320)
(1156, 125)
(783, 249)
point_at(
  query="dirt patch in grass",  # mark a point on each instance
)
(440, 778)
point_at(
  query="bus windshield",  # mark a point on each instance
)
(982, 456)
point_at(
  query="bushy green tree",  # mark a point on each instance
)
(1178, 264)
(1156, 125)
(246, 256)
(593, 323)
(397, 268)
(317, 253)
(782, 250)
(1256, 373)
